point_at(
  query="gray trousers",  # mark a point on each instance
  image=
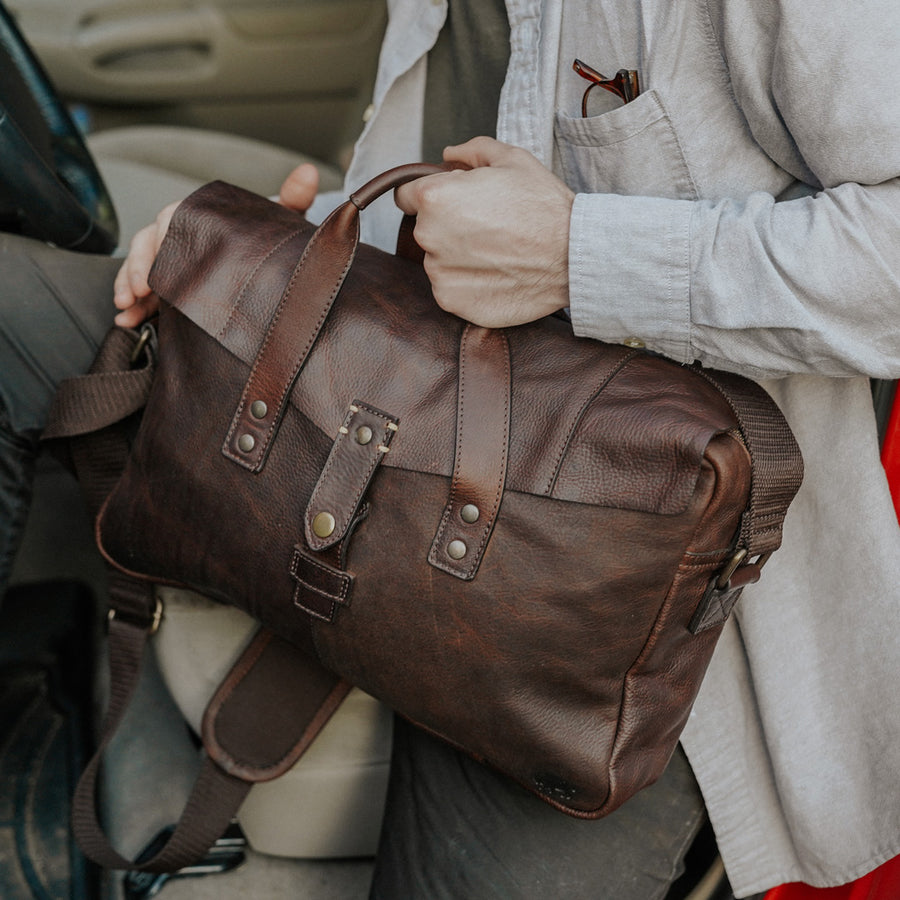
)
(456, 830)
(453, 829)
(55, 308)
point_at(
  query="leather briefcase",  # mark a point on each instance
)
(525, 542)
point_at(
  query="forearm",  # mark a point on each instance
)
(763, 288)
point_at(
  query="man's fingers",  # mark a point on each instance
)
(132, 294)
(495, 236)
(300, 188)
(138, 312)
(479, 151)
(131, 279)
(410, 197)
(406, 197)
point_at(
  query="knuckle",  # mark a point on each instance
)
(441, 300)
(430, 190)
(136, 281)
(139, 237)
(516, 155)
(422, 234)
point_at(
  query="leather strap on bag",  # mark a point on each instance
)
(89, 414)
(262, 719)
(213, 801)
(482, 451)
(295, 325)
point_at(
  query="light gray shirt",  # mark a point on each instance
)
(744, 211)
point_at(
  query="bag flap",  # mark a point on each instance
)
(590, 422)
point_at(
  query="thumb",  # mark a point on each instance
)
(300, 187)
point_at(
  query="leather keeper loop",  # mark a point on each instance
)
(361, 443)
(320, 588)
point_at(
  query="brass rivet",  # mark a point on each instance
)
(634, 342)
(363, 435)
(469, 513)
(258, 409)
(323, 525)
(246, 443)
(456, 549)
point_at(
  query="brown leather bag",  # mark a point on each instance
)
(525, 542)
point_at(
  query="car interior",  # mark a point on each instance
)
(168, 95)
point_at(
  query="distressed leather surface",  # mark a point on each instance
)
(390, 346)
(563, 657)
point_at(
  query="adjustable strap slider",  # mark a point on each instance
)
(725, 588)
(151, 627)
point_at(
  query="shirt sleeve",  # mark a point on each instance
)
(766, 288)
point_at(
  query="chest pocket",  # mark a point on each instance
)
(632, 150)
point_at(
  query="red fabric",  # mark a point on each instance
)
(882, 884)
(890, 456)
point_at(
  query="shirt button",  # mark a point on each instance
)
(634, 343)
(368, 112)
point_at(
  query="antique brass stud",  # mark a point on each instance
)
(323, 525)
(246, 443)
(258, 409)
(456, 549)
(363, 435)
(469, 513)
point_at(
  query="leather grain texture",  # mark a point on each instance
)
(515, 570)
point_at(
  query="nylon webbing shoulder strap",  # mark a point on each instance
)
(777, 465)
(247, 734)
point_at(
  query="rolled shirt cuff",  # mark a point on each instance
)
(630, 272)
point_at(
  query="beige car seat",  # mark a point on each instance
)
(330, 804)
(146, 167)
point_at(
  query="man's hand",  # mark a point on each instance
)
(496, 236)
(132, 294)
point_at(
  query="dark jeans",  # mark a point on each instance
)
(55, 308)
(453, 828)
(17, 455)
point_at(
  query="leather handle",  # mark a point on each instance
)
(406, 241)
(297, 321)
(393, 178)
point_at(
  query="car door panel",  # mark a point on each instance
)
(297, 72)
